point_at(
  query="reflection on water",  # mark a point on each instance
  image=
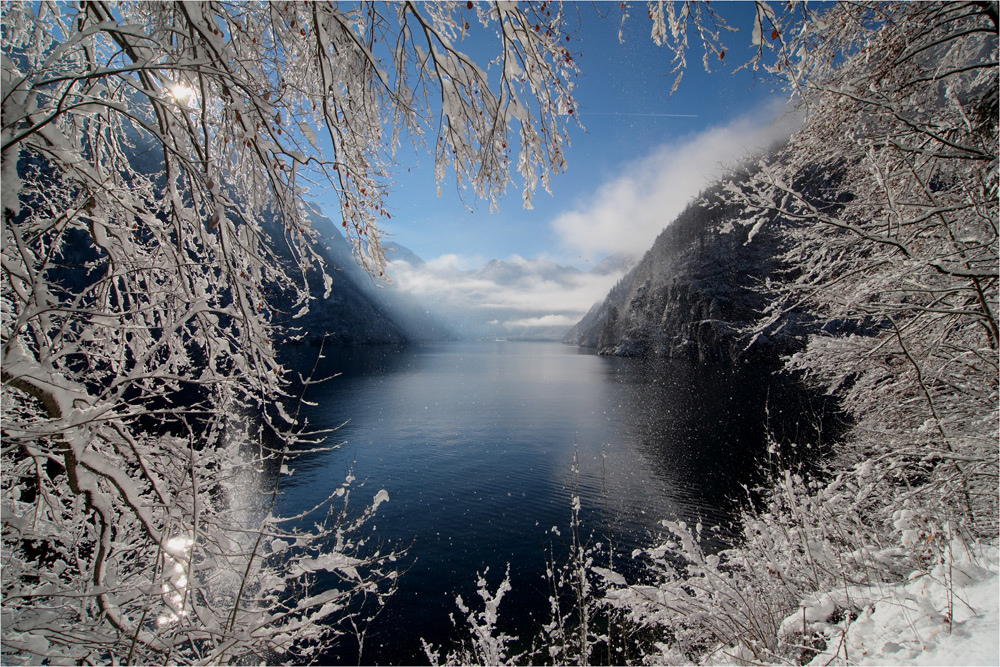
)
(475, 444)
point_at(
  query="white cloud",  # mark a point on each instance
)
(452, 261)
(626, 215)
(532, 288)
(543, 321)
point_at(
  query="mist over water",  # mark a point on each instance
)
(474, 443)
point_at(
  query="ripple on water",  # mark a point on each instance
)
(476, 446)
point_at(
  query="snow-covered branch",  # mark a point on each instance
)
(156, 164)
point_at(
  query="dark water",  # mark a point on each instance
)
(475, 444)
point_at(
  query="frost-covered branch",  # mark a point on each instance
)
(155, 165)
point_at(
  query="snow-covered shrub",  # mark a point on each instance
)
(486, 644)
(572, 631)
(789, 586)
(240, 583)
(725, 606)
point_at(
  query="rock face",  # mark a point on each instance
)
(692, 294)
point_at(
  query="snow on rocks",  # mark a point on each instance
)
(947, 616)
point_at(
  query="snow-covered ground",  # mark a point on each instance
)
(948, 616)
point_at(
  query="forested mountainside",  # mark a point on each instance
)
(358, 310)
(692, 294)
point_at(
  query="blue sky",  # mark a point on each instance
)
(630, 171)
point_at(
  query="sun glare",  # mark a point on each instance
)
(182, 93)
(176, 556)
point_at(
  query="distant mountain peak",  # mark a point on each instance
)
(395, 252)
(617, 263)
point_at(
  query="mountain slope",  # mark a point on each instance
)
(692, 293)
(358, 310)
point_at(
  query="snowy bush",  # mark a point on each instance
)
(486, 644)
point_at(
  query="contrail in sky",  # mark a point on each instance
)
(627, 113)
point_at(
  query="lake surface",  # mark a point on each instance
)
(475, 445)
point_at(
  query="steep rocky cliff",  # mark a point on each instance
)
(692, 294)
